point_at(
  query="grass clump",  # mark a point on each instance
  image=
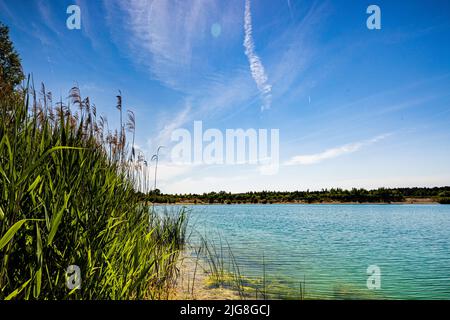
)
(68, 196)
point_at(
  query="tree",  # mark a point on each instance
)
(11, 73)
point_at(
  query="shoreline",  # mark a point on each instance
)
(193, 282)
(408, 201)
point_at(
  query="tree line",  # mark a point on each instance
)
(355, 195)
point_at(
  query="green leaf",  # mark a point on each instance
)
(39, 255)
(34, 184)
(57, 220)
(37, 284)
(4, 175)
(17, 291)
(11, 232)
(42, 158)
(38, 244)
(55, 224)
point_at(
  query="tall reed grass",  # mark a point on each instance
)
(70, 195)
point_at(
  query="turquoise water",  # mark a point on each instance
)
(331, 246)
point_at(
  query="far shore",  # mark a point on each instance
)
(407, 201)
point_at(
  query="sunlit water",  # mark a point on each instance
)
(331, 246)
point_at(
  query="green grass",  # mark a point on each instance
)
(68, 197)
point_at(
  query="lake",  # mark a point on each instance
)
(330, 247)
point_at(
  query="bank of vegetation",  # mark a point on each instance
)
(381, 195)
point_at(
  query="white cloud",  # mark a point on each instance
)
(165, 36)
(168, 171)
(333, 152)
(206, 184)
(256, 66)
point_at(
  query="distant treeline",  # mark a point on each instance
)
(381, 195)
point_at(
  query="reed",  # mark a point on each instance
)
(70, 194)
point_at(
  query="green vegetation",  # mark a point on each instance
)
(10, 67)
(444, 197)
(68, 197)
(381, 195)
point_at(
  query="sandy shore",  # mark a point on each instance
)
(193, 283)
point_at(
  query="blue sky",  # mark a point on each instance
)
(355, 107)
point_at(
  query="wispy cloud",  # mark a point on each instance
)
(290, 9)
(223, 96)
(177, 122)
(292, 64)
(48, 17)
(333, 152)
(165, 36)
(256, 66)
(173, 41)
(206, 183)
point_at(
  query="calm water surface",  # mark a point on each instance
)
(331, 246)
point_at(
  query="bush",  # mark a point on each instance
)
(443, 200)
